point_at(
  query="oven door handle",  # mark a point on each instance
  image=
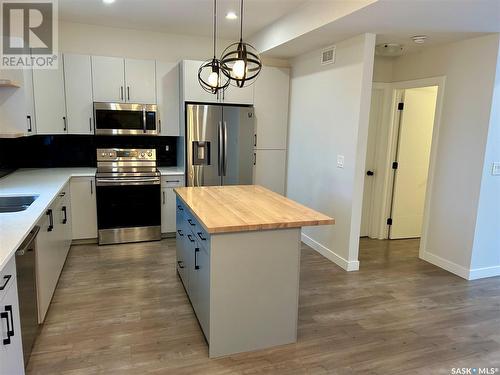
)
(123, 181)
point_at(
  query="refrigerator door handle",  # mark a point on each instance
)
(220, 150)
(224, 167)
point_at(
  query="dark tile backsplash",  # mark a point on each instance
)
(46, 151)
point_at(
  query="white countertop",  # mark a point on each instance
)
(47, 183)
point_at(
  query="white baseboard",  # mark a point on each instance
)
(445, 264)
(481, 273)
(330, 255)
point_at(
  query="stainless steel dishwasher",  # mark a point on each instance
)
(26, 289)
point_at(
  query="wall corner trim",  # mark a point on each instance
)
(330, 255)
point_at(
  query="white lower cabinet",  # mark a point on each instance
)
(168, 209)
(84, 209)
(53, 243)
(11, 347)
(269, 169)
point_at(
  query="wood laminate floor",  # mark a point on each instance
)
(122, 310)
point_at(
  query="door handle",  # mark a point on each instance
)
(51, 220)
(7, 279)
(219, 148)
(128, 93)
(121, 92)
(370, 173)
(144, 119)
(65, 211)
(196, 251)
(225, 149)
(90, 124)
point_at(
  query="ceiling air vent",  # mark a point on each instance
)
(328, 55)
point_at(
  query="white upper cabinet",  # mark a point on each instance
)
(140, 82)
(50, 103)
(17, 108)
(108, 79)
(78, 88)
(123, 80)
(237, 95)
(190, 87)
(271, 108)
(167, 96)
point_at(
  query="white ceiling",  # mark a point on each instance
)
(397, 20)
(190, 17)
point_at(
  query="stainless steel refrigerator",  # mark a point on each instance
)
(219, 145)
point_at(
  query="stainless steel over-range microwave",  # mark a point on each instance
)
(125, 119)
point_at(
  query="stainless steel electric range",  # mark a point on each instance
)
(128, 196)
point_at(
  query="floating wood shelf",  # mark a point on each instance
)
(9, 83)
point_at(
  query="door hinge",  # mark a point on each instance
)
(401, 106)
(395, 165)
(389, 221)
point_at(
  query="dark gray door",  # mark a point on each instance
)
(238, 139)
(203, 144)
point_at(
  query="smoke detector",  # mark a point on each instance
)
(389, 49)
(419, 39)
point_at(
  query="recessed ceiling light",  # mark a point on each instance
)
(108, 1)
(419, 39)
(231, 16)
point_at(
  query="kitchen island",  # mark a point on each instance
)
(238, 256)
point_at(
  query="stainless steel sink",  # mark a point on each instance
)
(16, 203)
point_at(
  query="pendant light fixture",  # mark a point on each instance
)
(240, 61)
(210, 74)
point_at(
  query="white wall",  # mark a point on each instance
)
(329, 110)
(486, 250)
(469, 67)
(382, 69)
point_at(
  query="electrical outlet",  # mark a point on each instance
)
(340, 161)
(167, 148)
(495, 169)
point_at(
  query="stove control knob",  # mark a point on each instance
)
(150, 154)
(103, 154)
(110, 154)
(142, 154)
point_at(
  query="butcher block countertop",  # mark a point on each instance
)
(222, 209)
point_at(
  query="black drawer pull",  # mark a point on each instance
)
(190, 238)
(51, 221)
(6, 278)
(65, 211)
(196, 266)
(180, 207)
(180, 233)
(10, 323)
(173, 181)
(191, 222)
(180, 263)
(200, 234)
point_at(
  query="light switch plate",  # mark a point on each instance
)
(340, 161)
(495, 169)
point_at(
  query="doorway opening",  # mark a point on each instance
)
(402, 139)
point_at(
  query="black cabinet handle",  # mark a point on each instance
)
(180, 263)
(200, 234)
(10, 323)
(190, 238)
(191, 222)
(370, 173)
(51, 220)
(180, 207)
(196, 266)
(65, 211)
(7, 279)
(180, 233)
(65, 126)
(30, 127)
